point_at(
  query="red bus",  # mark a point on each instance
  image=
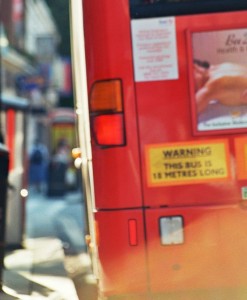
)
(167, 108)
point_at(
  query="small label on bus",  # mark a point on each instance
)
(155, 49)
(171, 230)
(244, 193)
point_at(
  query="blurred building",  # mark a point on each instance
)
(29, 40)
(12, 44)
(28, 50)
(41, 41)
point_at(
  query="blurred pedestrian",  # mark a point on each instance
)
(57, 170)
(62, 152)
(38, 162)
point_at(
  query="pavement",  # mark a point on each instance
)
(44, 268)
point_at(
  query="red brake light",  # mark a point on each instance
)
(107, 117)
(108, 129)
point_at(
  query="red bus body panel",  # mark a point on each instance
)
(212, 256)
(160, 113)
(122, 265)
(116, 170)
(165, 116)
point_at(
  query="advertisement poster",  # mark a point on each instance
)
(155, 49)
(220, 79)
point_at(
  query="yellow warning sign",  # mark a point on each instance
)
(187, 163)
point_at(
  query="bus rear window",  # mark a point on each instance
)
(158, 8)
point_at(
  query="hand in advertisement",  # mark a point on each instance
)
(225, 83)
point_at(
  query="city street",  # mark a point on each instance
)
(63, 218)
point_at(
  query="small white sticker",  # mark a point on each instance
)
(244, 193)
(154, 49)
(171, 229)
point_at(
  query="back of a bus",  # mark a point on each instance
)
(168, 95)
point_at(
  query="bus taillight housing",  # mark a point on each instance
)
(107, 113)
